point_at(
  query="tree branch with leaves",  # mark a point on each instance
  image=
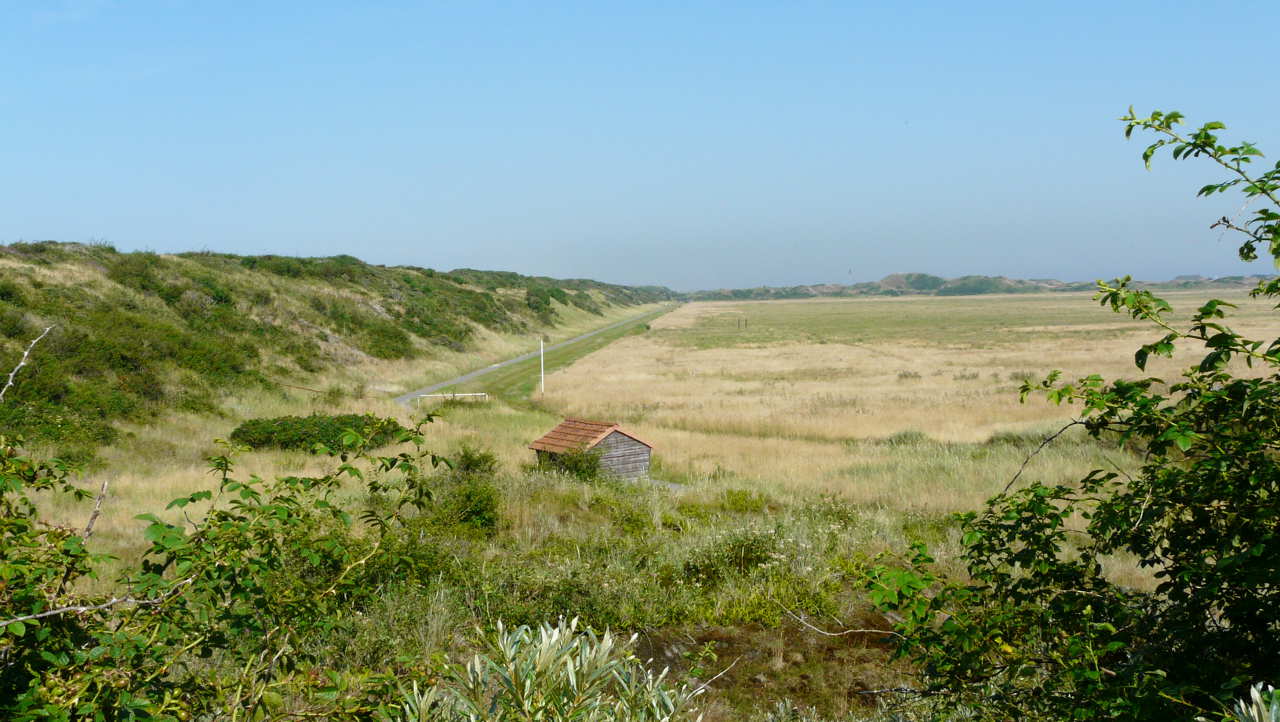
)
(1040, 631)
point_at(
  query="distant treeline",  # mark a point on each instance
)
(924, 284)
(137, 332)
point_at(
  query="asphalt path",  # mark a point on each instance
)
(407, 399)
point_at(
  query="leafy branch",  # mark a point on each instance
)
(1039, 628)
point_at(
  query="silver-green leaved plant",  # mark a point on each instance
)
(552, 674)
(1262, 705)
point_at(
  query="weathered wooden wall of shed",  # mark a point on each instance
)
(623, 456)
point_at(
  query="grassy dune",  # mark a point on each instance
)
(137, 335)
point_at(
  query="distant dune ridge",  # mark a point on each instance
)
(924, 284)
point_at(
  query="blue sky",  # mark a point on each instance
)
(690, 144)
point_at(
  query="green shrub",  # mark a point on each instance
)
(474, 461)
(136, 271)
(744, 501)
(11, 292)
(304, 432)
(582, 465)
(584, 301)
(923, 281)
(231, 598)
(523, 594)
(472, 504)
(14, 325)
(738, 552)
(385, 340)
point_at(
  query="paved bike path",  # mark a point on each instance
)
(407, 399)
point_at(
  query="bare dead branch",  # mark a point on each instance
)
(702, 687)
(115, 601)
(841, 633)
(22, 362)
(97, 510)
(1048, 440)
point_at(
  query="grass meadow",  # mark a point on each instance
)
(794, 441)
(909, 404)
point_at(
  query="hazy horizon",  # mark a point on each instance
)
(696, 146)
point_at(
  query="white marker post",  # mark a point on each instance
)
(542, 368)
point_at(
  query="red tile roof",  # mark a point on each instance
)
(578, 435)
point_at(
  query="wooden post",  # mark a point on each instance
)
(542, 367)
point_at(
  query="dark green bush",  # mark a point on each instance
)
(383, 339)
(584, 301)
(732, 554)
(136, 271)
(304, 432)
(233, 607)
(923, 281)
(474, 461)
(582, 465)
(11, 292)
(538, 299)
(473, 505)
(516, 596)
(744, 501)
(13, 325)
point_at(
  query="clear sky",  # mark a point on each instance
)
(690, 144)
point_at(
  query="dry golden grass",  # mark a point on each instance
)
(768, 406)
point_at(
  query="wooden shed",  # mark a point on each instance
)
(621, 453)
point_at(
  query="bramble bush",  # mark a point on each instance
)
(1039, 630)
(239, 609)
(218, 613)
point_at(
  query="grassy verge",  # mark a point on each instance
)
(519, 381)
